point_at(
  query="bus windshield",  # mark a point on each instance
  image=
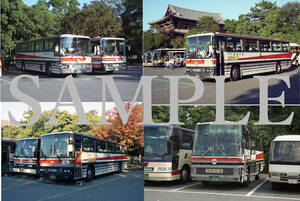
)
(74, 46)
(26, 148)
(157, 144)
(111, 47)
(217, 140)
(285, 151)
(55, 145)
(199, 47)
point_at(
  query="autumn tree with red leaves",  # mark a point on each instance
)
(131, 134)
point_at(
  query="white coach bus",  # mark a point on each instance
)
(26, 159)
(73, 156)
(226, 153)
(284, 162)
(235, 56)
(63, 54)
(108, 54)
(295, 49)
(167, 153)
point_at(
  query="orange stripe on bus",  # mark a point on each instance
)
(73, 59)
(50, 161)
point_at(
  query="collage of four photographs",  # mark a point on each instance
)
(137, 100)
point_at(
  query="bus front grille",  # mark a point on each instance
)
(225, 171)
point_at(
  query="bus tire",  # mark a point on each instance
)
(235, 73)
(278, 68)
(90, 173)
(119, 167)
(185, 175)
(48, 69)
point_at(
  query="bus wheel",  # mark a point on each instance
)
(90, 173)
(185, 175)
(120, 167)
(278, 68)
(235, 73)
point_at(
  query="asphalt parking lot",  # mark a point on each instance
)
(125, 186)
(244, 91)
(89, 86)
(194, 191)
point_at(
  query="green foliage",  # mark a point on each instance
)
(266, 19)
(95, 19)
(61, 7)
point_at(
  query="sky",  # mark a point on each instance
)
(229, 9)
(17, 108)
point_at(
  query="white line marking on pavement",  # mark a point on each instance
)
(257, 187)
(177, 189)
(225, 194)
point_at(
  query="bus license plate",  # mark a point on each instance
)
(214, 179)
(214, 171)
(292, 181)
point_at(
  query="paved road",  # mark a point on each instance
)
(88, 86)
(195, 191)
(126, 186)
(244, 91)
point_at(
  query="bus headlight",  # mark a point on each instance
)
(164, 169)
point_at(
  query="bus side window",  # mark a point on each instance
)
(230, 45)
(276, 46)
(93, 145)
(86, 144)
(77, 145)
(186, 140)
(101, 146)
(251, 45)
(285, 47)
(238, 45)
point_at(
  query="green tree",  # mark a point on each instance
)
(95, 19)
(62, 7)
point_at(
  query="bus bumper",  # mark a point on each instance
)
(160, 176)
(73, 69)
(284, 178)
(25, 170)
(202, 72)
(57, 173)
(217, 178)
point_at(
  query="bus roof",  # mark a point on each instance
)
(57, 36)
(213, 123)
(287, 138)
(238, 36)
(81, 134)
(29, 138)
(167, 126)
(294, 44)
(106, 38)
